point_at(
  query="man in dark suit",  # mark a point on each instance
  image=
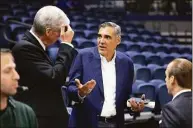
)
(178, 112)
(38, 72)
(107, 76)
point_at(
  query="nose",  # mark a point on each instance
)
(16, 75)
(101, 41)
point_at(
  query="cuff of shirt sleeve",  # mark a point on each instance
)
(68, 44)
(81, 98)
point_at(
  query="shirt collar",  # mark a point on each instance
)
(41, 43)
(11, 102)
(180, 92)
(105, 60)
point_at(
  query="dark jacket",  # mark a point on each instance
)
(17, 115)
(178, 113)
(42, 76)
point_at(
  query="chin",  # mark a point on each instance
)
(13, 93)
(102, 52)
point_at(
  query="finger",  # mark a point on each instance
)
(62, 30)
(93, 83)
(133, 103)
(69, 28)
(78, 84)
(90, 84)
(143, 97)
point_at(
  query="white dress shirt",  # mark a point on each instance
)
(41, 43)
(109, 85)
(180, 92)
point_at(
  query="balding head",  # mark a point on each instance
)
(49, 17)
(181, 69)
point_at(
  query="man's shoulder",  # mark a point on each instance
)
(22, 44)
(123, 56)
(86, 50)
(21, 106)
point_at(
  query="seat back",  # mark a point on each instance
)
(162, 93)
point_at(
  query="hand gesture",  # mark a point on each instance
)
(137, 106)
(66, 35)
(85, 89)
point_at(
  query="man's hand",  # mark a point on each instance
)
(66, 35)
(137, 106)
(84, 90)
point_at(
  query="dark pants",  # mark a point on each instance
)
(52, 121)
(102, 124)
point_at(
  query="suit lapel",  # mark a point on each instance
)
(29, 37)
(119, 75)
(96, 64)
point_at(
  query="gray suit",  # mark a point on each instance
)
(178, 113)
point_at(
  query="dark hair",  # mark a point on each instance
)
(114, 25)
(181, 69)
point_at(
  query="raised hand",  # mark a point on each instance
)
(66, 33)
(85, 89)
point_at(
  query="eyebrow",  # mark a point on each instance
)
(9, 66)
(106, 36)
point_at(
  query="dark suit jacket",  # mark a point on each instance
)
(43, 77)
(87, 66)
(178, 113)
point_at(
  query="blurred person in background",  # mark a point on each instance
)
(13, 114)
(39, 73)
(178, 112)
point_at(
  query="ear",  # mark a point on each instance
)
(48, 31)
(172, 80)
(118, 40)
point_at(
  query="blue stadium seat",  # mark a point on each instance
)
(167, 59)
(79, 34)
(159, 73)
(174, 49)
(134, 47)
(122, 47)
(139, 59)
(87, 44)
(162, 49)
(148, 48)
(186, 50)
(156, 82)
(132, 53)
(154, 59)
(19, 37)
(152, 67)
(52, 52)
(162, 93)
(143, 73)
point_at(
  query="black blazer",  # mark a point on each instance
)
(43, 77)
(178, 113)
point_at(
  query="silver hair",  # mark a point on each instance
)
(114, 25)
(49, 16)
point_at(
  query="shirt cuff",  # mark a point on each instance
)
(68, 44)
(81, 98)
